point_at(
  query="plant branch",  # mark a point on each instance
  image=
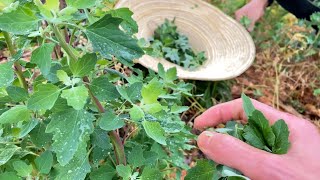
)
(63, 43)
(17, 66)
(115, 139)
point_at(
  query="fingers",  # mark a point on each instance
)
(233, 110)
(229, 151)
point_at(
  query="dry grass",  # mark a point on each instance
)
(285, 85)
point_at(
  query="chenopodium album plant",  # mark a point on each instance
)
(67, 113)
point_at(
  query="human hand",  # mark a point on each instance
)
(254, 10)
(301, 162)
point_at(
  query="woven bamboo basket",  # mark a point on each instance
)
(228, 46)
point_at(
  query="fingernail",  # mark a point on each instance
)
(205, 141)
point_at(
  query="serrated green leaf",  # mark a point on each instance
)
(39, 137)
(150, 158)
(101, 139)
(81, 4)
(134, 91)
(204, 169)
(6, 152)
(131, 93)
(69, 128)
(42, 57)
(136, 113)
(262, 126)
(84, 65)
(6, 74)
(52, 76)
(108, 39)
(9, 176)
(104, 172)
(99, 154)
(27, 127)
(21, 21)
(22, 168)
(151, 174)
(161, 71)
(171, 74)
(110, 121)
(157, 148)
(63, 77)
(128, 23)
(173, 126)
(78, 166)
(103, 89)
(253, 137)
(155, 131)
(183, 43)
(152, 91)
(234, 129)
(135, 157)
(172, 54)
(44, 98)
(281, 132)
(17, 94)
(44, 162)
(76, 96)
(124, 171)
(15, 114)
(247, 105)
(122, 91)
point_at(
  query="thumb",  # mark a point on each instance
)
(232, 152)
(239, 14)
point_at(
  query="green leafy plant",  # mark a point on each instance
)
(69, 112)
(245, 21)
(168, 43)
(257, 132)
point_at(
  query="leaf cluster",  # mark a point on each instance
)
(168, 43)
(257, 132)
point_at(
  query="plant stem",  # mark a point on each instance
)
(63, 43)
(115, 139)
(17, 66)
(72, 38)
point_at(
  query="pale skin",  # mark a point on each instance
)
(254, 10)
(301, 162)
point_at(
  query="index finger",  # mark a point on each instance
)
(233, 110)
